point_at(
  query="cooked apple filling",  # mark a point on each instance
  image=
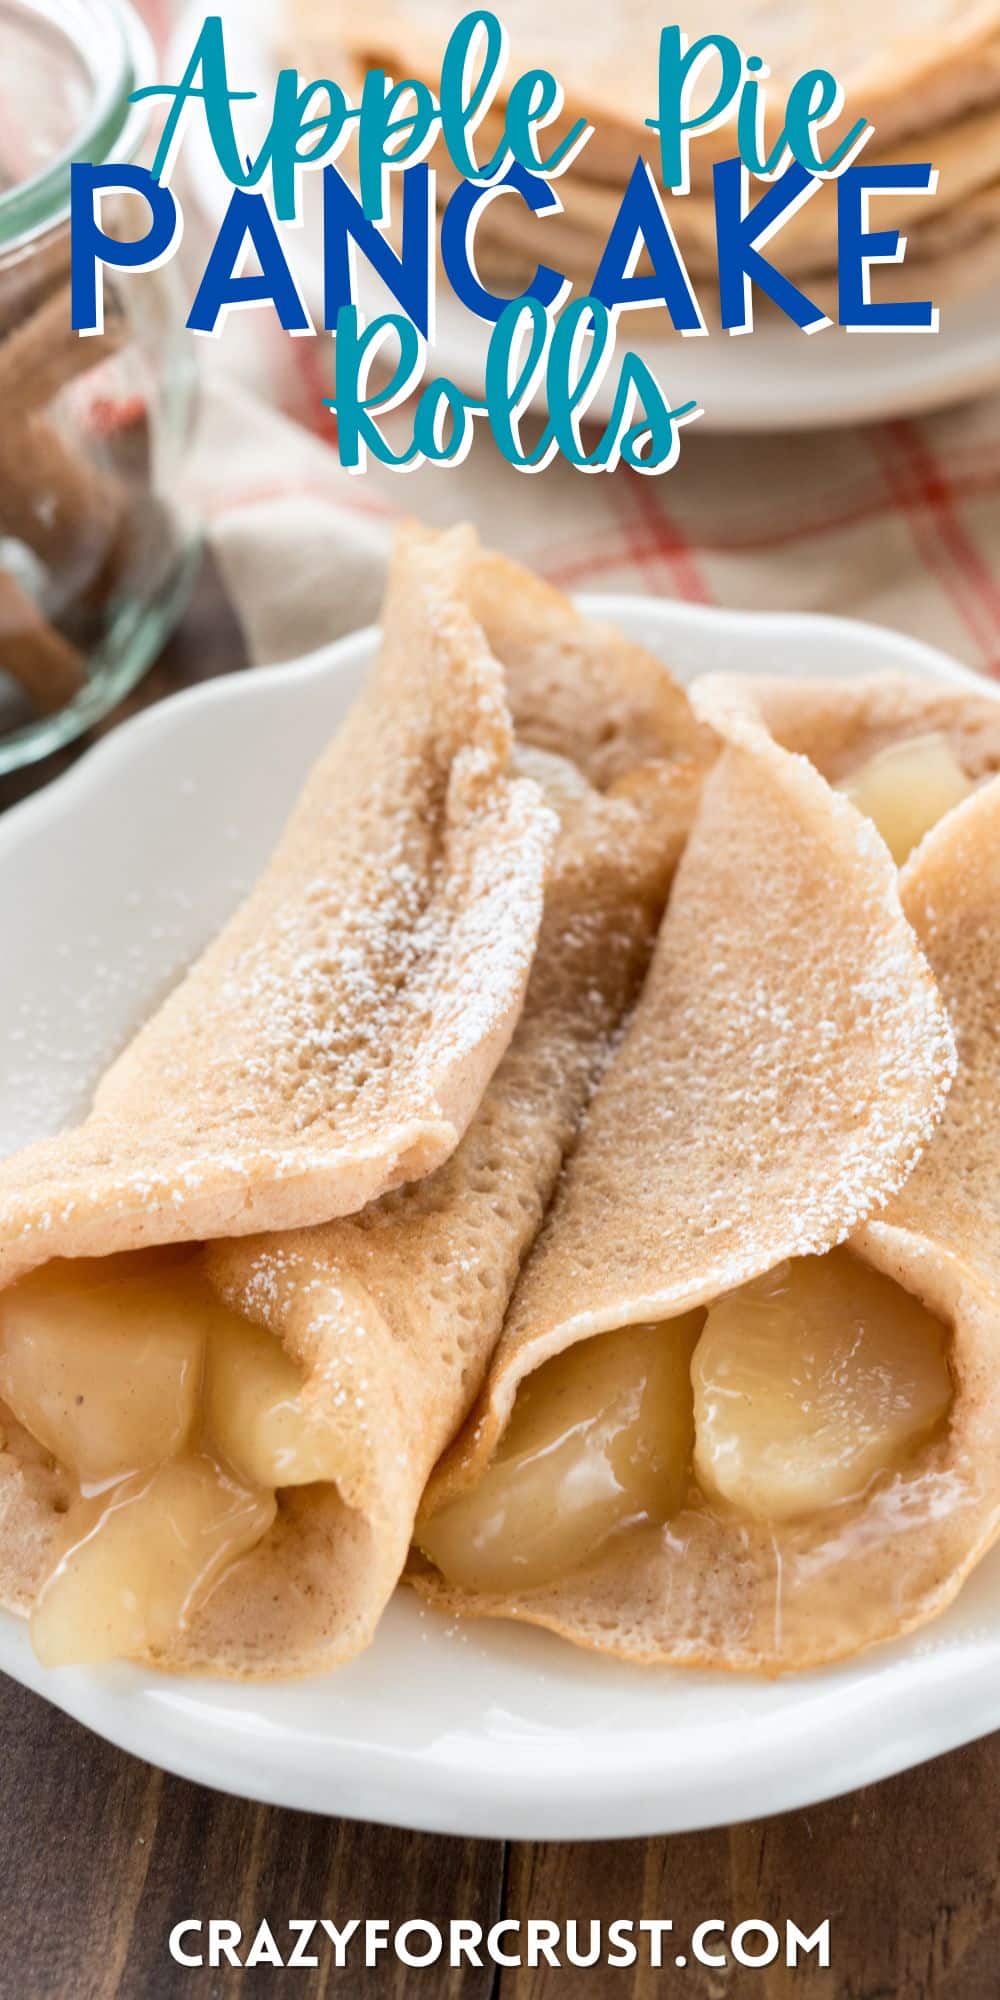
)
(135, 1557)
(789, 1396)
(907, 788)
(599, 1437)
(174, 1421)
(812, 1381)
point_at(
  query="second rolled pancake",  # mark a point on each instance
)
(903, 749)
(784, 1072)
(841, 725)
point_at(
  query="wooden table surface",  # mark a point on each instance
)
(100, 1855)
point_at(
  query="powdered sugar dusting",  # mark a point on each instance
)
(783, 1072)
(338, 1033)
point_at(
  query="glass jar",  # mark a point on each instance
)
(96, 552)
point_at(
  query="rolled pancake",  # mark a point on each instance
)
(905, 751)
(781, 1077)
(337, 1036)
(839, 724)
(951, 1202)
(392, 1314)
(575, 684)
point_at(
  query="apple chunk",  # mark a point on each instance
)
(101, 1361)
(810, 1382)
(254, 1408)
(599, 1437)
(907, 788)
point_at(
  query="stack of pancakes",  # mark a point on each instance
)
(929, 86)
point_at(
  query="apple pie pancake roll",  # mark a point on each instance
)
(904, 750)
(213, 1458)
(732, 1420)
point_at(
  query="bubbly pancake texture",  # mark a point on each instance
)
(337, 1036)
(905, 751)
(575, 684)
(760, 1568)
(951, 894)
(395, 1312)
(784, 1068)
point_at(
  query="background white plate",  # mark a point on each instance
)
(774, 379)
(110, 881)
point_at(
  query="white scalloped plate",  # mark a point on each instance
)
(110, 881)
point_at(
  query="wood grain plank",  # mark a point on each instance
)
(906, 1871)
(100, 1856)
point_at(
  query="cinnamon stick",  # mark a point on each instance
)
(55, 500)
(33, 653)
(42, 353)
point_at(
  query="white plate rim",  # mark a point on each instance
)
(934, 1707)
